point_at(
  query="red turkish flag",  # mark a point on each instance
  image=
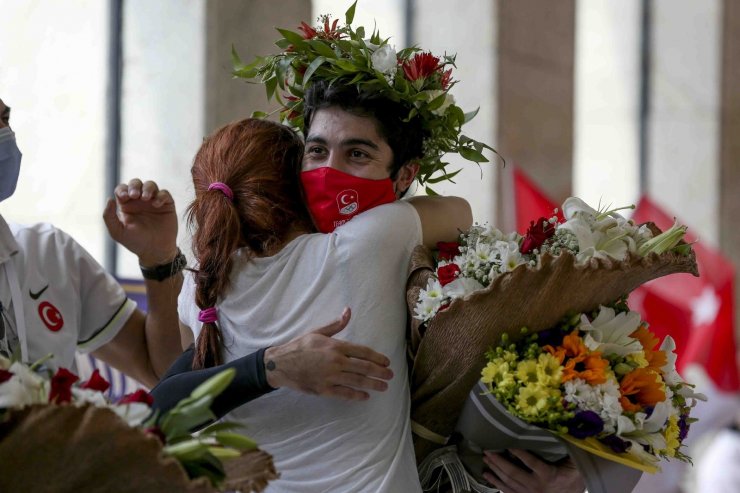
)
(531, 202)
(698, 312)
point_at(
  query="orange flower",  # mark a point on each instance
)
(656, 359)
(573, 345)
(589, 367)
(641, 388)
(558, 352)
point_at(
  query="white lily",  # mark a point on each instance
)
(133, 413)
(610, 332)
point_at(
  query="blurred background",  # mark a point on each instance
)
(628, 102)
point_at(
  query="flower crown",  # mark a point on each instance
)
(342, 55)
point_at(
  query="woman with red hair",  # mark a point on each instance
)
(263, 275)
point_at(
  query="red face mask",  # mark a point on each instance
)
(334, 197)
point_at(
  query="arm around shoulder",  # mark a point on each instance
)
(442, 218)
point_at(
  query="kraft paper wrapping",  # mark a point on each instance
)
(447, 356)
(62, 448)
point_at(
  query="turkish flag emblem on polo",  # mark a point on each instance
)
(51, 316)
(347, 202)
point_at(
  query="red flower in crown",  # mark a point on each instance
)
(448, 249)
(5, 375)
(138, 396)
(447, 273)
(539, 231)
(61, 386)
(422, 65)
(96, 382)
(446, 79)
(329, 32)
(308, 31)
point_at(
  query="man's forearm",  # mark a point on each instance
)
(161, 326)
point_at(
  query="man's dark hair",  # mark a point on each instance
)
(404, 138)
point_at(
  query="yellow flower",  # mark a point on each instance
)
(497, 373)
(637, 360)
(510, 356)
(526, 371)
(532, 399)
(671, 436)
(549, 371)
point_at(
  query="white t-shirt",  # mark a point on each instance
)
(70, 303)
(319, 443)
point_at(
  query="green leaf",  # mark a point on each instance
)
(470, 115)
(322, 48)
(436, 102)
(236, 62)
(345, 65)
(430, 192)
(361, 33)
(220, 426)
(472, 155)
(222, 453)
(312, 68)
(349, 16)
(258, 114)
(214, 385)
(294, 38)
(270, 86)
(446, 176)
(235, 440)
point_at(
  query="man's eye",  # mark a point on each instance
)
(358, 154)
(315, 150)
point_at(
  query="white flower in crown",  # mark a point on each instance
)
(384, 60)
(508, 255)
(609, 332)
(433, 94)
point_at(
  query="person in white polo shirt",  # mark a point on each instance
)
(55, 298)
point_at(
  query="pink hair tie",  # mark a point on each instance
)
(208, 315)
(223, 187)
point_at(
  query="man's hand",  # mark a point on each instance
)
(146, 221)
(317, 364)
(544, 477)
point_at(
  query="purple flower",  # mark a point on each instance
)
(615, 443)
(585, 424)
(552, 337)
(683, 426)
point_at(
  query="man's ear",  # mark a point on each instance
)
(405, 177)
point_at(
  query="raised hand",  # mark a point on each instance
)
(315, 363)
(543, 477)
(143, 219)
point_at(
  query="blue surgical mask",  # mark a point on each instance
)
(10, 163)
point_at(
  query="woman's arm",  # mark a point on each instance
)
(313, 363)
(442, 218)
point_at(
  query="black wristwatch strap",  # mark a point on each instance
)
(162, 272)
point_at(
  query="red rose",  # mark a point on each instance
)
(96, 382)
(539, 231)
(138, 396)
(61, 386)
(5, 375)
(448, 249)
(447, 273)
(422, 65)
